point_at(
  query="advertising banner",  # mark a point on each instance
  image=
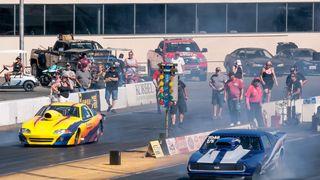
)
(91, 99)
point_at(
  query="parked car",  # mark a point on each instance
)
(285, 45)
(238, 153)
(303, 58)
(253, 59)
(195, 62)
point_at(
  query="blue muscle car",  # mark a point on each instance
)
(239, 153)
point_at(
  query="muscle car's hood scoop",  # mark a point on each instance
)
(52, 115)
(227, 144)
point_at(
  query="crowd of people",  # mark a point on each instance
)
(232, 91)
(87, 76)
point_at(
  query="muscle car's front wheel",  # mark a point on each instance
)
(99, 131)
(77, 138)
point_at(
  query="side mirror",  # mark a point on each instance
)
(204, 50)
(158, 50)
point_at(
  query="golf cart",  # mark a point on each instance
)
(18, 80)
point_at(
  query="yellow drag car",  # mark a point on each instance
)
(62, 124)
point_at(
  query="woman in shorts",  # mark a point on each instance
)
(268, 78)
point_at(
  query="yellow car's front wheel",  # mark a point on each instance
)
(77, 138)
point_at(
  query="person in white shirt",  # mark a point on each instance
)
(180, 63)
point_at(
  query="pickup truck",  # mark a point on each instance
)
(66, 50)
(195, 62)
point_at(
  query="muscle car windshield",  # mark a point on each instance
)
(247, 142)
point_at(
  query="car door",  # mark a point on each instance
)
(87, 118)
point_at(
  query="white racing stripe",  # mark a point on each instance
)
(235, 155)
(230, 156)
(209, 157)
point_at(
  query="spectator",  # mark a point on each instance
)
(121, 57)
(233, 94)
(294, 88)
(18, 68)
(61, 90)
(268, 78)
(111, 79)
(253, 102)
(217, 82)
(99, 77)
(70, 74)
(237, 69)
(131, 63)
(180, 104)
(155, 80)
(300, 77)
(84, 77)
(120, 68)
(131, 67)
(180, 63)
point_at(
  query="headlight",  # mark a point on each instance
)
(62, 131)
(280, 65)
(257, 65)
(25, 130)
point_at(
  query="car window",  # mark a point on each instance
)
(241, 54)
(97, 46)
(86, 113)
(182, 47)
(265, 141)
(247, 142)
(266, 54)
(303, 53)
(64, 110)
(82, 45)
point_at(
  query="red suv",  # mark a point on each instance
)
(195, 62)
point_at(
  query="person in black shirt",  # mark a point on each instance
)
(17, 68)
(294, 88)
(300, 77)
(111, 79)
(180, 105)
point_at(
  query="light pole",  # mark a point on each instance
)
(21, 28)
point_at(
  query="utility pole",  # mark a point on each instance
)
(21, 28)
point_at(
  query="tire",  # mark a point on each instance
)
(45, 80)
(76, 138)
(28, 86)
(34, 69)
(99, 131)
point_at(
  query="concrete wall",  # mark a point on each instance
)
(218, 45)
(18, 111)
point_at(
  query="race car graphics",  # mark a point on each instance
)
(223, 156)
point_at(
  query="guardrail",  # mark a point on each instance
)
(18, 111)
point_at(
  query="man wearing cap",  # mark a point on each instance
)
(180, 63)
(217, 82)
(300, 77)
(254, 96)
(84, 77)
(111, 79)
(17, 69)
(70, 74)
(233, 94)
